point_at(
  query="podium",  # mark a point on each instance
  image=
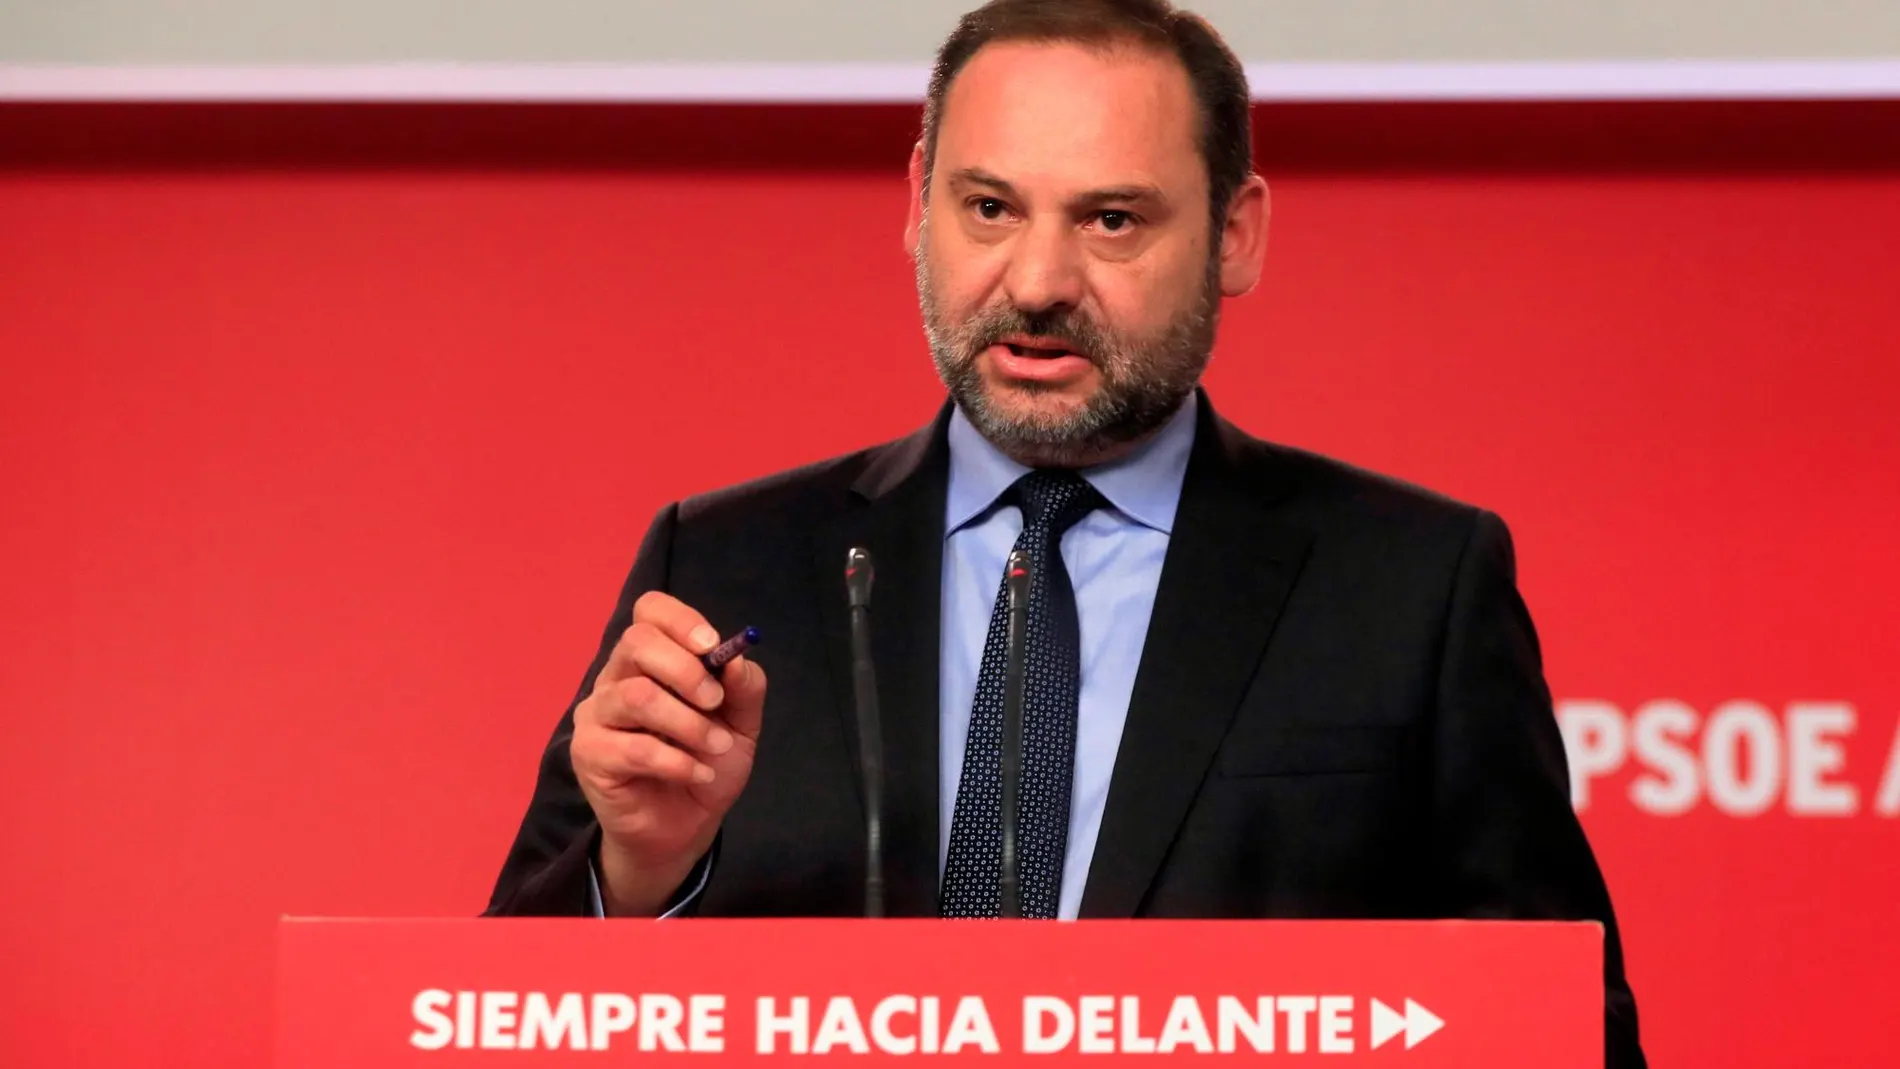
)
(383, 994)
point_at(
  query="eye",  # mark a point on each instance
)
(989, 209)
(1115, 222)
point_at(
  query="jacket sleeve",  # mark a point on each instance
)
(549, 870)
(1505, 838)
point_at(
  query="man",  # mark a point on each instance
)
(1261, 683)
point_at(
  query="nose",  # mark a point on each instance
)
(1045, 269)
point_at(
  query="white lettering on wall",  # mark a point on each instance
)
(551, 1025)
(1741, 759)
(434, 1029)
(1110, 1024)
(1817, 733)
(1887, 801)
(536, 1020)
(1742, 784)
(1595, 741)
(1664, 733)
(1335, 1024)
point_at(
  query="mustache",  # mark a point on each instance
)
(1071, 326)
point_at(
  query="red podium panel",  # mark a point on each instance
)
(1411, 995)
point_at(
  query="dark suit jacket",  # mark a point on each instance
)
(1340, 709)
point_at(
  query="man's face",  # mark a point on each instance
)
(1066, 261)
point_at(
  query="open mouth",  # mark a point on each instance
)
(1039, 352)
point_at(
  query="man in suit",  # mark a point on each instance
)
(1260, 683)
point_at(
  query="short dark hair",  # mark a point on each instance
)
(1220, 83)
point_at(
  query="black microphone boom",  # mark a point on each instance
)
(857, 583)
(1009, 876)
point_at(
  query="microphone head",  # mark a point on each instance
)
(1016, 573)
(858, 574)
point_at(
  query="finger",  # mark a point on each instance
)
(640, 704)
(625, 757)
(645, 650)
(672, 617)
(744, 709)
(620, 664)
(677, 620)
(653, 653)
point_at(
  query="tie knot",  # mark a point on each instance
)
(1055, 498)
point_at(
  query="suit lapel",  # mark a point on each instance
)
(898, 515)
(1229, 567)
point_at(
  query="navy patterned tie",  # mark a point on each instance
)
(1052, 501)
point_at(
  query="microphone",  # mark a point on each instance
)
(858, 574)
(1016, 577)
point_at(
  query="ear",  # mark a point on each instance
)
(914, 219)
(1243, 244)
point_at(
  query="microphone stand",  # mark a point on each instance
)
(1010, 898)
(858, 574)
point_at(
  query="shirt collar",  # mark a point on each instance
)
(1144, 486)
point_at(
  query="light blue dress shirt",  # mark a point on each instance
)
(1114, 560)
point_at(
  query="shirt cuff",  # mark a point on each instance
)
(695, 879)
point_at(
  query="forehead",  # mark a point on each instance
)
(1072, 114)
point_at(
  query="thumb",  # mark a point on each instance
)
(744, 707)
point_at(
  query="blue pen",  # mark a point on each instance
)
(716, 659)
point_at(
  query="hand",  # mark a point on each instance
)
(662, 750)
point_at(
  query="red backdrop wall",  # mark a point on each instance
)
(326, 436)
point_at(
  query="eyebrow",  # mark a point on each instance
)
(1133, 193)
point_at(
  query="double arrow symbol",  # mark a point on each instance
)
(1417, 1023)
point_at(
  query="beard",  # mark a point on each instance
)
(1143, 378)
